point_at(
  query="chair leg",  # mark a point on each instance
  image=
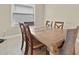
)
(31, 51)
(47, 52)
(26, 50)
(74, 52)
(22, 44)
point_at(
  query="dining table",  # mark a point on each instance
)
(52, 38)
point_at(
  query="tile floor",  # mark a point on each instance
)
(12, 46)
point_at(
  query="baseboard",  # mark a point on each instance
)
(11, 36)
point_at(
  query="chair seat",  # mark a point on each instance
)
(37, 44)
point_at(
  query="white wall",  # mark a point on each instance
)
(67, 13)
(5, 20)
(39, 15)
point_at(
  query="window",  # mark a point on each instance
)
(22, 13)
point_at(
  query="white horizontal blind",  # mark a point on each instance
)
(23, 13)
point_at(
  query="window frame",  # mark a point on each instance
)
(12, 20)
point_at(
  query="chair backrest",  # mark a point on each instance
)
(58, 25)
(49, 24)
(69, 45)
(22, 30)
(29, 23)
(28, 35)
(78, 32)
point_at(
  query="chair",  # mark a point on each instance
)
(77, 43)
(69, 45)
(23, 37)
(58, 25)
(49, 24)
(32, 42)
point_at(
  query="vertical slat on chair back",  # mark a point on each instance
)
(28, 35)
(69, 45)
(59, 24)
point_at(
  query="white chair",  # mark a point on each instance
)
(48, 24)
(77, 43)
(69, 45)
(58, 25)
